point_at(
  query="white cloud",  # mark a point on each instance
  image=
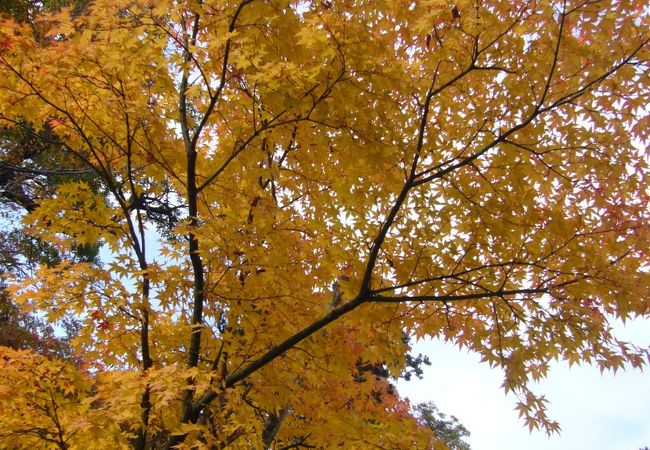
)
(596, 412)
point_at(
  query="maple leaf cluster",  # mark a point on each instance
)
(287, 192)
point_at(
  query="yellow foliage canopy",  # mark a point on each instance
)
(340, 175)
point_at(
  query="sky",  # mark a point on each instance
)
(596, 412)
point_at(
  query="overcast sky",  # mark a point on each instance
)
(596, 412)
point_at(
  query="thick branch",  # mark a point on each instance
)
(451, 298)
(275, 352)
(366, 280)
(273, 426)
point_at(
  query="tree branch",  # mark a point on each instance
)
(451, 298)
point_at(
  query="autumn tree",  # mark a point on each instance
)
(341, 174)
